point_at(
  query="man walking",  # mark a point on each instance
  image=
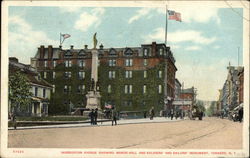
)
(152, 113)
(91, 115)
(172, 114)
(95, 116)
(113, 115)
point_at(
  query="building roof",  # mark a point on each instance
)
(30, 72)
(139, 50)
(188, 90)
(178, 82)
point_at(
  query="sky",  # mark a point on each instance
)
(203, 44)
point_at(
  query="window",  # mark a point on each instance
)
(81, 74)
(67, 63)
(44, 74)
(36, 91)
(129, 62)
(111, 74)
(127, 103)
(54, 87)
(54, 74)
(128, 52)
(128, 74)
(45, 63)
(128, 89)
(145, 74)
(67, 88)
(81, 63)
(81, 88)
(160, 74)
(145, 52)
(145, 62)
(160, 51)
(44, 93)
(112, 62)
(109, 88)
(67, 75)
(54, 63)
(160, 89)
(144, 89)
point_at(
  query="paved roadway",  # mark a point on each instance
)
(210, 133)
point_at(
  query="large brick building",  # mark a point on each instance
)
(135, 78)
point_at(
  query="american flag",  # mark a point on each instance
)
(65, 36)
(174, 15)
(108, 106)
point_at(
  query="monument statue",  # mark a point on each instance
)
(92, 84)
(93, 96)
(95, 41)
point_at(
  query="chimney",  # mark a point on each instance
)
(101, 46)
(153, 48)
(85, 46)
(72, 47)
(50, 51)
(41, 51)
(13, 59)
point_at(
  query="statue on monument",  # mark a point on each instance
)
(92, 84)
(95, 41)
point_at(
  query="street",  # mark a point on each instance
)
(210, 133)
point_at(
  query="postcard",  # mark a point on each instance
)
(125, 79)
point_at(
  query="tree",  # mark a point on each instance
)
(19, 92)
(211, 110)
(200, 105)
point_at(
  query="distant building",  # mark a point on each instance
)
(40, 89)
(232, 91)
(241, 86)
(219, 103)
(177, 89)
(188, 93)
(130, 78)
(186, 99)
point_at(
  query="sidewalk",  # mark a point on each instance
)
(106, 123)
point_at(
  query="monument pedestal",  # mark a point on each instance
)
(93, 100)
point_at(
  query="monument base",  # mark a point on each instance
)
(93, 100)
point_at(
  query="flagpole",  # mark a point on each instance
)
(166, 26)
(60, 38)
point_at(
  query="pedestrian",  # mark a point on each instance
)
(91, 115)
(13, 119)
(240, 114)
(172, 113)
(176, 115)
(95, 116)
(145, 114)
(152, 113)
(114, 115)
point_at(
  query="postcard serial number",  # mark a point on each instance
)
(18, 151)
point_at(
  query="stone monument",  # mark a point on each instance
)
(93, 96)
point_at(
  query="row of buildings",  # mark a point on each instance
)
(130, 78)
(232, 92)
